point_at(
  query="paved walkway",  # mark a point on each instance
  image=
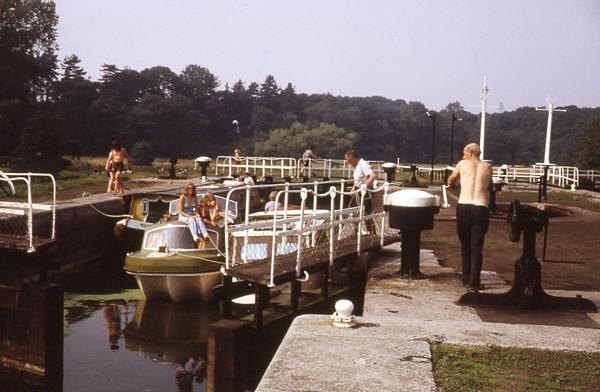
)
(389, 349)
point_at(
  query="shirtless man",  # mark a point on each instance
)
(472, 216)
(115, 165)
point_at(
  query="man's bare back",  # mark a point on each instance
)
(475, 177)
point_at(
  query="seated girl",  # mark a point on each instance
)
(187, 204)
(215, 213)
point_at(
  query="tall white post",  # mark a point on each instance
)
(484, 93)
(484, 107)
(550, 109)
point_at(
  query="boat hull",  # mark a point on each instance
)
(177, 287)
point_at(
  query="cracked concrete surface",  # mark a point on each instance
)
(388, 349)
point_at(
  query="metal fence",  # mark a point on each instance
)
(261, 166)
(331, 168)
(562, 176)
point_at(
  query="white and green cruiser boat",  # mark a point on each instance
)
(169, 265)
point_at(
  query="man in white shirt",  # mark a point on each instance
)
(472, 215)
(248, 180)
(363, 174)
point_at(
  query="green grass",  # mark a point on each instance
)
(566, 198)
(490, 368)
(80, 176)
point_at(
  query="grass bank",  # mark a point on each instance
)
(565, 198)
(87, 175)
(465, 368)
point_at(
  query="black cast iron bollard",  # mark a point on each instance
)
(413, 178)
(173, 162)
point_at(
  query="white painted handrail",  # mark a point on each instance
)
(27, 208)
(306, 223)
(262, 166)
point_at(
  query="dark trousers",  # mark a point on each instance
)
(472, 223)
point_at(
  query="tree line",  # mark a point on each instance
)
(50, 109)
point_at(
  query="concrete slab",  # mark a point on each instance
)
(388, 349)
(349, 362)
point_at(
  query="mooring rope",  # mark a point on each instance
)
(109, 215)
(216, 247)
(200, 258)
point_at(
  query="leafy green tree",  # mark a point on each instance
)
(73, 96)
(199, 82)
(27, 63)
(72, 69)
(269, 88)
(588, 149)
(142, 153)
(328, 140)
(42, 145)
(108, 72)
(160, 81)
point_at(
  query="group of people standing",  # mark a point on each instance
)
(472, 214)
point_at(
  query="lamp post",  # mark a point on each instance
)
(236, 134)
(431, 115)
(454, 119)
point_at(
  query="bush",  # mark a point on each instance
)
(142, 153)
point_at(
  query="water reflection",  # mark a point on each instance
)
(124, 343)
(170, 332)
(112, 315)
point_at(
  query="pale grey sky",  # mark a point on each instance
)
(433, 51)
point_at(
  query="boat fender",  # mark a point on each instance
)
(120, 227)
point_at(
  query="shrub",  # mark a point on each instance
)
(142, 153)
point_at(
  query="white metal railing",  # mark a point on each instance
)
(249, 189)
(307, 230)
(589, 175)
(332, 168)
(27, 208)
(561, 176)
(264, 166)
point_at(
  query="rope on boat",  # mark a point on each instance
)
(200, 258)
(109, 215)
(216, 247)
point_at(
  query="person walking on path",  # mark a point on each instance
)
(472, 214)
(115, 166)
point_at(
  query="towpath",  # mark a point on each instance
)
(389, 348)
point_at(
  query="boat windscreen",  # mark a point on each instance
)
(175, 237)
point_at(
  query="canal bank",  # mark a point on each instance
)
(389, 347)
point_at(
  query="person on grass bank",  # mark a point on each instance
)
(115, 166)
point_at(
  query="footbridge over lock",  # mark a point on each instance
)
(299, 243)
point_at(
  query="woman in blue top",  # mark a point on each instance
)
(187, 214)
